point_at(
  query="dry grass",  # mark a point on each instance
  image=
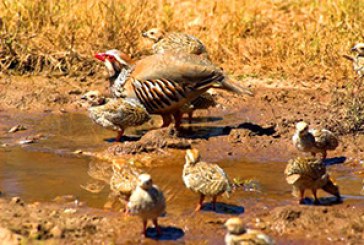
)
(296, 39)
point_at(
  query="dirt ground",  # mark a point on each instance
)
(261, 133)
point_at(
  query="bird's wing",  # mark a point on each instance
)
(179, 68)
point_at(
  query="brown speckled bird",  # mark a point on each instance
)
(309, 173)
(207, 179)
(174, 41)
(123, 181)
(358, 59)
(202, 102)
(115, 114)
(147, 201)
(314, 140)
(164, 83)
(237, 234)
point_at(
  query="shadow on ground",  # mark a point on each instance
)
(324, 201)
(334, 160)
(224, 208)
(169, 233)
(206, 132)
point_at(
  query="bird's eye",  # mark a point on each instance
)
(152, 33)
(111, 58)
(92, 96)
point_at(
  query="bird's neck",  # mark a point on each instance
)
(120, 77)
(303, 133)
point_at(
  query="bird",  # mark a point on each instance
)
(309, 173)
(164, 83)
(314, 140)
(115, 114)
(358, 59)
(175, 42)
(202, 102)
(147, 201)
(181, 42)
(237, 234)
(207, 179)
(122, 182)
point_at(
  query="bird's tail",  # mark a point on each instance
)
(332, 188)
(232, 86)
(348, 57)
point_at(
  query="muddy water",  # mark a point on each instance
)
(46, 169)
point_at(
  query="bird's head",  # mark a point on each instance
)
(235, 226)
(93, 98)
(115, 61)
(145, 181)
(154, 34)
(359, 48)
(192, 156)
(302, 127)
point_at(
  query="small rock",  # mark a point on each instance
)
(17, 200)
(26, 141)
(77, 151)
(261, 225)
(62, 110)
(75, 91)
(56, 232)
(16, 128)
(65, 198)
(70, 211)
(34, 233)
(9, 238)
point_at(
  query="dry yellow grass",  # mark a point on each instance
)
(269, 38)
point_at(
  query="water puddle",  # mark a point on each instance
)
(46, 169)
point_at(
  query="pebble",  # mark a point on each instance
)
(56, 232)
(26, 141)
(75, 91)
(16, 128)
(77, 151)
(17, 200)
(64, 199)
(70, 211)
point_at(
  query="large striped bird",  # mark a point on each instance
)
(163, 83)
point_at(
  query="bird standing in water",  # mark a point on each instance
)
(309, 173)
(115, 114)
(314, 140)
(147, 201)
(207, 179)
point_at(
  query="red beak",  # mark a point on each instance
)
(100, 56)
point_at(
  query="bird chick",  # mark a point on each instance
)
(203, 102)
(147, 201)
(314, 140)
(309, 173)
(115, 114)
(174, 42)
(207, 179)
(358, 59)
(238, 235)
(123, 181)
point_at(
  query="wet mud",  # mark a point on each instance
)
(61, 153)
